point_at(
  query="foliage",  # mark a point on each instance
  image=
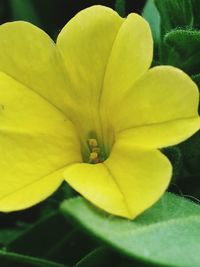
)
(155, 236)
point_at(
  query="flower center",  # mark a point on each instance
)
(95, 153)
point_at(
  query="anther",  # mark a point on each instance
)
(94, 157)
(92, 142)
(96, 149)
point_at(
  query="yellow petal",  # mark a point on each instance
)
(85, 44)
(160, 110)
(130, 58)
(37, 142)
(126, 184)
(160, 134)
(29, 55)
(96, 184)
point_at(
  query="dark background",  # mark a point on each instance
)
(51, 15)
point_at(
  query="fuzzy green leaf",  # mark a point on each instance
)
(175, 13)
(183, 41)
(167, 234)
(186, 44)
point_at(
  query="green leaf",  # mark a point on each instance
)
(43, 235)
(186, 44)
(120, 7)
(53, 239)
(167, 234)
(24, 10)
(150, 13)
(98, 258)
(9, 259)
(183, 41)
(196, 17)
(8, 234)
(175, 13)
(105, 257)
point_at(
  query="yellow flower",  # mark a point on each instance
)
(87, 110)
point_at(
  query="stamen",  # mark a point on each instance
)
(92, 142)
(96, 149)
(94, 156)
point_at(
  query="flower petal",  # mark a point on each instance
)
(160, 135)
(130, 58)
(37, 142)
(85, 44)
(29, 55)
(96, 184)
(127, 183)
(160, 110)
